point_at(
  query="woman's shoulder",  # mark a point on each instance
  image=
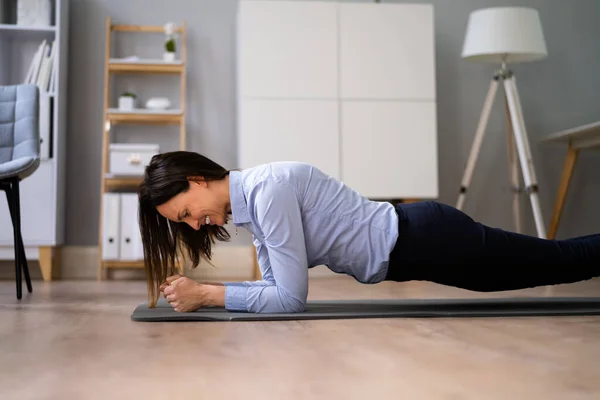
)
(279, 176)
(282, 171)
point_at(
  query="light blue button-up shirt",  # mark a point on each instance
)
(300, 218)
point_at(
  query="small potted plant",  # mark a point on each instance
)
(127, 101)
(169, 53)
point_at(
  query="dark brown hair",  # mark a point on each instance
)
(166, 176)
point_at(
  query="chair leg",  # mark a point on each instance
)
(10, 197)
(12, 194)
(24, 265)
(23, 257)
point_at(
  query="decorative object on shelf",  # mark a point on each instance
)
(34, 12)
(503, 35)
(127, 101)
(158, 103)
(169, 54)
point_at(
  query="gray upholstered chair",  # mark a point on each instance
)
(19, 158)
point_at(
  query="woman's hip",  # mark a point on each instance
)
(430, 224)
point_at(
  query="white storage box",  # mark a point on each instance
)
(130, 159)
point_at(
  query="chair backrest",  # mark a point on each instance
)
(19, 126)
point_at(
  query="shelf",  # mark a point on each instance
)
(145, 111)
(143, 28)
(27, 28)
(143, 61)
(117, 65)
(26, 32)
(123, 264)
(124, 182)
(144, 116)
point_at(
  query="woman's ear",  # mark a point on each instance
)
(198, 180)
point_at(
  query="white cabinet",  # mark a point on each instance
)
(288, 49)
(297, 129)
(347, 87)
(387, 51)
(121, 238)
(387, 148)
(36, 193)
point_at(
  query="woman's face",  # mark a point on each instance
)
(201, 200)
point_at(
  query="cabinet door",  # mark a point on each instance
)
(38, 222)
(389, 149)
(387, 51)
(287, 49)
(290, 130)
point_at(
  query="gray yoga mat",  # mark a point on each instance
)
(406, 308)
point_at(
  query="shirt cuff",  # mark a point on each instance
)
(235, 298)
(233, 284)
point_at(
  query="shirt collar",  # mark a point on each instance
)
(239, 207)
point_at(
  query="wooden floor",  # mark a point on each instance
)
(75, 340)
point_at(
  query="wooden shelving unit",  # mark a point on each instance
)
(114, 116)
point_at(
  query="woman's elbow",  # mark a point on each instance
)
(295, 306)
(292, 303)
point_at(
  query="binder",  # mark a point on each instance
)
(111, 222)
(131, 239)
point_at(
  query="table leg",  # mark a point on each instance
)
(565, 180)
(409, 201)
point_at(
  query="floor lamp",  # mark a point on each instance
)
(504, 35)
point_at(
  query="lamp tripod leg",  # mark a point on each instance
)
(477, 141)
(524, 152)
(513, 168)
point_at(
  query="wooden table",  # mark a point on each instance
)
(581, 137)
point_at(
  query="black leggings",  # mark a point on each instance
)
(441, 244)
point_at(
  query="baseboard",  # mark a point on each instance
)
(79, 262)
(229, 262)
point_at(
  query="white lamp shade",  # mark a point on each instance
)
(510, 34)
